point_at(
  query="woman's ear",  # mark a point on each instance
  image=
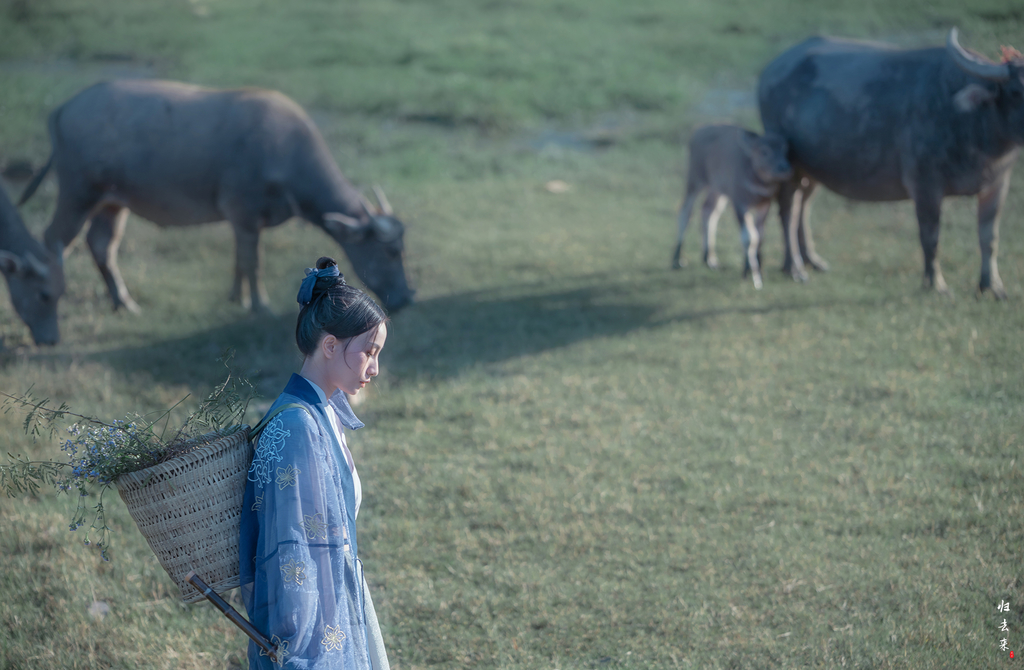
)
(329, 345)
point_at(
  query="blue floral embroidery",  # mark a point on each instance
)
(286, 476)
(258, 504)
(268, 452)
(333, 637)
(282, 649)
(315, 526)
(294, 572)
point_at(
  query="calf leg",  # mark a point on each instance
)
(928, 205)
(684, 219)
(990, 204)
(759, 220)
(104, 237)
(751, 240)
(804, 229)
(711, 212)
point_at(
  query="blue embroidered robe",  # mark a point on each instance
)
(300, 576)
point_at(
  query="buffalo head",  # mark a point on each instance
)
(1006, 89)
(36, 284)
(376, 250)
(767, 155)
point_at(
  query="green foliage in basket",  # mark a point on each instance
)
(99, 451)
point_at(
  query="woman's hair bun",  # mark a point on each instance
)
(329, 305)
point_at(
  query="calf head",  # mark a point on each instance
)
(767, 155)
(1003, 84)
(35, 284)
(376, 251)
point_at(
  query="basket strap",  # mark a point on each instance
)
(254, 435)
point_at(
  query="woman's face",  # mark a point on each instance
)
(353, 362)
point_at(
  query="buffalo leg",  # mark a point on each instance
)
(790, 199)
(804, 230)
(711, 212)
(929, 207)
(104, 237)
(990, 203)
(247, 288)
(791, 202)
(684, 219)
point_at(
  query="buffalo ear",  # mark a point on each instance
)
(971, 97)
(10, 263)
(344, 227)
(387, 228)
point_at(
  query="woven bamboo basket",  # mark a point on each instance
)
(189, 510)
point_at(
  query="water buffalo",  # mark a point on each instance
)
(178, 154)
(733, 164)
(877, 123)
(34, 276)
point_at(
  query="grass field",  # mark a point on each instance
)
(574, 457)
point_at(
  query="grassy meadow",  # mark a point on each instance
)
(574, 456)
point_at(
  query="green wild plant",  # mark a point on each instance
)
(98, 451)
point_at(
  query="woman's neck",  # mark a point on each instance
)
(314, 371)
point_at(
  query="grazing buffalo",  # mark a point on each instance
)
(34, 276)
(733, 164)
(180, 155)
(876, 123)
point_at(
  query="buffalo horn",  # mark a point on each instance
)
(973, 63)
(368, 206)
(383, 200)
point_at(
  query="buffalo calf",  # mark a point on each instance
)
(737, 165)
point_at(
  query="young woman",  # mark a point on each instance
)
(302, 581)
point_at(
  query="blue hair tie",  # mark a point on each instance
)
(306, 289)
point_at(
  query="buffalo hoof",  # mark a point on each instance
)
(938, 284)
(818, 263)
(758, 284)
(712, 263)
(998, 292)
(677, 257)
(799, 276)
(128, 304)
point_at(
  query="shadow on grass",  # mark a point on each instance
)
(443, 336)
